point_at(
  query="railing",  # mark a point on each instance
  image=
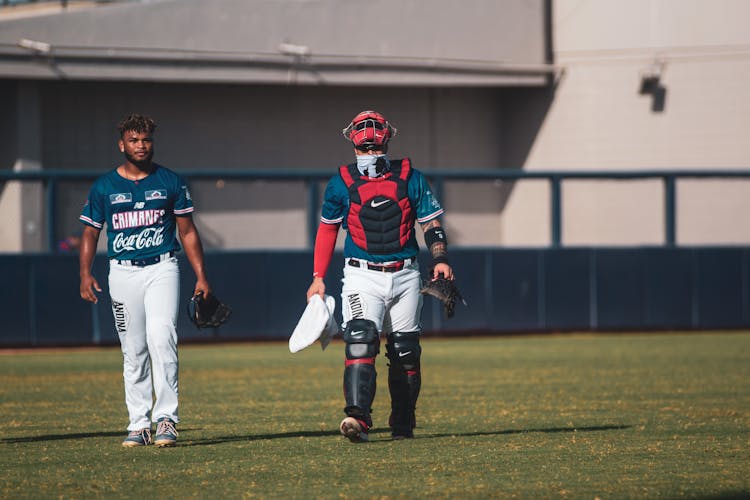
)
(312, 178)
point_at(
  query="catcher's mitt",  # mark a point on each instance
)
(446, 292)
(207, 312)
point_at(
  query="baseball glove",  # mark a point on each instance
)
(207, 312)
(446, 292)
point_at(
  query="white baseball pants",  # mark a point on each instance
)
(145, 302)
(391, 300)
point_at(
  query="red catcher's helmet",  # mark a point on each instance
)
(369, 131)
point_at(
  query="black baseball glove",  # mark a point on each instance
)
(207, 312)
(446, 292)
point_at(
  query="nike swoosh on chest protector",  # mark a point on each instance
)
(375, 204)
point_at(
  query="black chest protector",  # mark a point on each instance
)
(381, 217)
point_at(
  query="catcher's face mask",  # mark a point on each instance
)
(369, 131)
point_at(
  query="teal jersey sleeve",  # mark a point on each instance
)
(423, 199)
(335, 202)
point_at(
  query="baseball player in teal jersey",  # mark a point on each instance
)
(143, 205)
(378, 200)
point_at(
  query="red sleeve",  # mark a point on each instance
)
(325, 242)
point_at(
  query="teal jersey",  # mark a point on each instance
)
(139, 215)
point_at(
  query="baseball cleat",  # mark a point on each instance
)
(402, 431)
(397, 436)
(354, 430)
(138, 438)
(166, 434)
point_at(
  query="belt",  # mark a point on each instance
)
(145, 262)
(388, 267)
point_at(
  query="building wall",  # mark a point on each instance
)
(599, 120)
(595, 117)
(267, 127)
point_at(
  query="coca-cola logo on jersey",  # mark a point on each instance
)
(149, 237)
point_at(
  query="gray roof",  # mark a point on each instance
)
(335, 42)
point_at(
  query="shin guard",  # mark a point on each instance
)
(404, 380)
(362, 346)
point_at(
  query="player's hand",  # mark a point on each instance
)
(88, 287)
(442, 268)
(202, 286)
(317, 287)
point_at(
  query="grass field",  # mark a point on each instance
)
(573, 416)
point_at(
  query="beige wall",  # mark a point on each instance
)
(598, 120)
(595, 119)
(232, 127)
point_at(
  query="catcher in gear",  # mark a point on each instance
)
(207, 311)
(378, 200)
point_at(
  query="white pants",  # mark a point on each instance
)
(144, 303)
(391, 300)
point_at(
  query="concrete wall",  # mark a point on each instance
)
(595, 117)
(699, 117)
(267, 127)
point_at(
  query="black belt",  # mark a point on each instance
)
(390, 267)
(146, 262)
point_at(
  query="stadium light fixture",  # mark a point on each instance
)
(34, 45)
(291, 49)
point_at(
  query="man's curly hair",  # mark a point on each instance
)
(136, 123)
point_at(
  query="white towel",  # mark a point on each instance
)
(316, 322)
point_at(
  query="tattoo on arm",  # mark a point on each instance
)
(438, 249)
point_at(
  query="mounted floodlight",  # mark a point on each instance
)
(291, 49)
(651, 77)
(36, 46)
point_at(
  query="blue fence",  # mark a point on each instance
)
(508, 289)
(437, 178)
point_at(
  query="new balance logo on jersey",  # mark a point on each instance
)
(138, 218)
(139, 204)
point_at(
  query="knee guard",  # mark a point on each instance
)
(362, 346)
(404, 380)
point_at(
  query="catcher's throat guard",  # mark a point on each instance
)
(207, 312)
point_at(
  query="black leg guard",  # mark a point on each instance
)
(404, 381)
(362, 345)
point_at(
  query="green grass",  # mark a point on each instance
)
(574, 416)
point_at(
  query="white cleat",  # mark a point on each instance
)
(354, 430)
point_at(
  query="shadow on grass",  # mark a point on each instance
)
(298, 434)
(528, 431)
(59, 437)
